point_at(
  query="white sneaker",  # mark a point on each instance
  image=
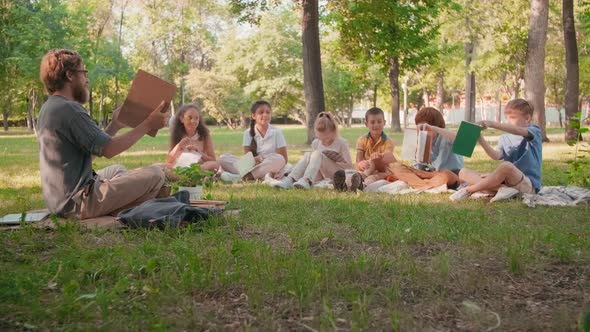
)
(302, 184)
(460, 195)
(269, 180)
(437, 190)
(228, 177)
(285, 183)
(504, 193)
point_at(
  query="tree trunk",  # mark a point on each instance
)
(375, 96)
(572, 89)
(561, 121)
(312, 65)
(5, 120)
(426, 98)
(499, 109)
(394, 90)
(440, 92)
(31, 103)
(516, 87)
(534, 73)
(101, 108)
(469, 84)
(243, 120)
(350, 110)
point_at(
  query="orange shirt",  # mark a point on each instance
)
(366, 144)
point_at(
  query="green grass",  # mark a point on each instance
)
(299, 259)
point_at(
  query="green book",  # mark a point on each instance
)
(466, 139)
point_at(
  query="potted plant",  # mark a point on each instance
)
(192, 179)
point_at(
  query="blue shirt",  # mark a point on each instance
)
(526, 153)
(441, 156)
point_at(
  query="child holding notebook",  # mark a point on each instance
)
(330, 154)
(266, 143)
(445, 164)
(374, 154)
(189, 134)
(521, 151)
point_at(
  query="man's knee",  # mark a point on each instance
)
(506, 168)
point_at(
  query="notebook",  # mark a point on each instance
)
(15, 219)
(417, 145)
(146, 93)
(246, 163)
(466, 139)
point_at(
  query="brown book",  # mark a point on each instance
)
(146, 93)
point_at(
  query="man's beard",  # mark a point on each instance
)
(80, 93)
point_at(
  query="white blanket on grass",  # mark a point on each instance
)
(557, 196)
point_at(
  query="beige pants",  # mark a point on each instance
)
(272, 163)
(314, 166)
(116, 189)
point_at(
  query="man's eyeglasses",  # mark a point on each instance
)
(81, 71)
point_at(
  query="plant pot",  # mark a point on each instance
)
(195, 192)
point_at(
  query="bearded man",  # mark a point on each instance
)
(69, 141)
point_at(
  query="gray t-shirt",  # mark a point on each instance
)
(67, 140)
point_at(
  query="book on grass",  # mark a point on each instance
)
(466, 139)
(417, 145)
(146, 93)
(26, 217)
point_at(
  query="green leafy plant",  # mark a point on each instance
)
(579, 172)
(193, 176)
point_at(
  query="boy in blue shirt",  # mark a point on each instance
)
(520, 149)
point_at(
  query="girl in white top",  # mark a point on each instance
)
(330, 154)
(189, 133)
(265, 141)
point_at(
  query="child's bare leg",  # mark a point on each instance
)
(380, 165)
(469, 176)
(505, 173)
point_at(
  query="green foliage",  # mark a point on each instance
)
(579, 172)
(193, 176)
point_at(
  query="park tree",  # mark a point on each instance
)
(534, 74)
(395, 34)
(249, 11)
(572, 69)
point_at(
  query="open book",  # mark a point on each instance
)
(417, 145)
(188, 158)
(146, 93)
(246, 163)
(466, 139)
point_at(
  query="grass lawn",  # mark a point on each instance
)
(303, 260)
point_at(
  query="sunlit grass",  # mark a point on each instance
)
(324, 259)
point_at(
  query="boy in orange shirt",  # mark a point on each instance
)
(374, 154)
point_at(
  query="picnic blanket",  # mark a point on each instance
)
(557, 196)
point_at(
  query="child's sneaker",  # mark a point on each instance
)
(460, 195)
(356, 182)
(228, 177)
(285, 183)
(340, 180)
(302, 184)
(504, 193)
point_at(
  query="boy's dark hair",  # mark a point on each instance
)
(520, 105)
(253, 145)
(430, 115)
(54, 66)
(374, 111)
(177, 130)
